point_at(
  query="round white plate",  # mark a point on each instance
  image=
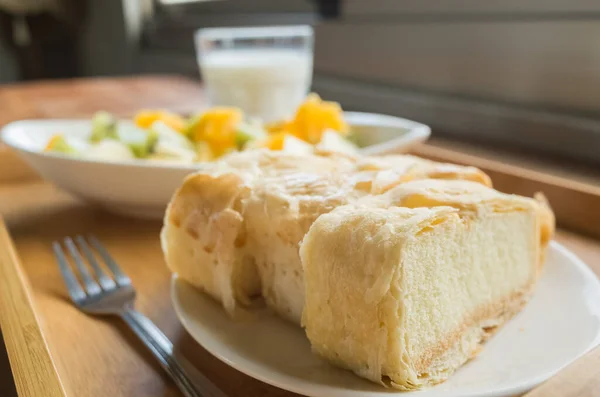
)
(561, 323)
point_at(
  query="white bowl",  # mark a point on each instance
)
(142, 188)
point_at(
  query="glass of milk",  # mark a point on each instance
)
(265, 71)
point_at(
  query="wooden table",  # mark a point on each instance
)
(90, 356)
(79, 98)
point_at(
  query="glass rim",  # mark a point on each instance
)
(252, 32)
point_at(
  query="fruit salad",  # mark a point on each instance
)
(159, 135)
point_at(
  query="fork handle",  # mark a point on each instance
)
(162, 349)
(209, 389)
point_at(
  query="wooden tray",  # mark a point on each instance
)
(55, 350)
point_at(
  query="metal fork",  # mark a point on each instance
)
(115, 296)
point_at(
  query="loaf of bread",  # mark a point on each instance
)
(234, 228)
(403, 288)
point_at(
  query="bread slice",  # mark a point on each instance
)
(233, 229)
(404, 287)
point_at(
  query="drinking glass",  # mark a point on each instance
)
(265, 71)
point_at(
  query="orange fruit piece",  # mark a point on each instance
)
(217, 127)
(145, 118)
(314, 117)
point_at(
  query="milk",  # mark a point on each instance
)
(266, 83)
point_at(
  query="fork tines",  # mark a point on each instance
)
(92, 284)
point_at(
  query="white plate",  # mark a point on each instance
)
(143, 188)
(561, 323)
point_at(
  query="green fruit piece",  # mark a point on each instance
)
(104, 125)
(192, 124)
(246, 133)
(58, 143)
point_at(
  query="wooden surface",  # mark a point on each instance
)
(79, 98)
(580, 379)
(12, 168)
(23, 337)
(100, 356)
